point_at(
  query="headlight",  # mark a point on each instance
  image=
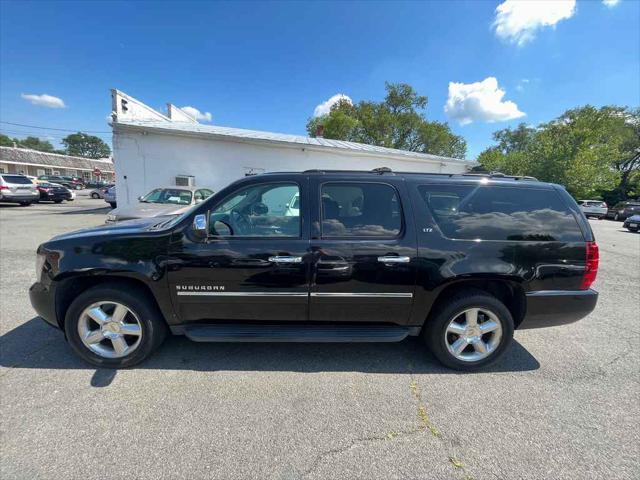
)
(111, 218)
(40, 259)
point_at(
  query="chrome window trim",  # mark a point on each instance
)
(297, 294)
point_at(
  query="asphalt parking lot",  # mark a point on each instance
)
(563, 403)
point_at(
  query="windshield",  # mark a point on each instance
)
(168, 195)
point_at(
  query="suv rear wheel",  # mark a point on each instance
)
(469, 331)
(108, 326)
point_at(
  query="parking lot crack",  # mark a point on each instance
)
(426, 424)
(357, 442)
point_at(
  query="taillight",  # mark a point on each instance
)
(591, 265)
(4, 187)
(605, 205)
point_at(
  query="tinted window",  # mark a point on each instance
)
(258, 211)
(360, 210)
(18, 179)
(472, 212)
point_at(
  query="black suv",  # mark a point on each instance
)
(328, 256)
(74, 183)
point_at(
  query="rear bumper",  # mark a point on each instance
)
(549, 308)
(19, 198)
(55, 196)
(43, 302)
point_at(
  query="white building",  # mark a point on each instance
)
(152, 149)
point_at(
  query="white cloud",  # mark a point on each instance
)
(44, 100)
(518, 20)
(610, 3)
(480, 101)
(325, 107)
(197, 114)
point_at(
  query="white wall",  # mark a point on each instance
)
(150, 160)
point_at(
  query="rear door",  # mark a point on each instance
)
(363, 249)
(254, 266)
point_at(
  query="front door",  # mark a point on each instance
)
(254, 265)
(364, 252)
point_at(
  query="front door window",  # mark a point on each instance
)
(258, 211)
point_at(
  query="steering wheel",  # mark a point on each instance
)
(240, 223)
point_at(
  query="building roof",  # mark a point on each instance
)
(26, 156)
(255, 136)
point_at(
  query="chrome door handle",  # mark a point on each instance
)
(279, 259)
(394, 259)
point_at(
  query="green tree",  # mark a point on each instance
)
(34, 143)
(83, 145)
(589, 150)
(396, 122)
(5, 141)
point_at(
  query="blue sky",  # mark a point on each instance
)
(267, 66)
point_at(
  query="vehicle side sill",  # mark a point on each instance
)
(294, 333)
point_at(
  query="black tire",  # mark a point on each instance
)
(113, 204)
(25, 204)
(136, 299)
(57, 201)
(95, 195)
(436, 325)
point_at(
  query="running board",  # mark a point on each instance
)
(296, 333)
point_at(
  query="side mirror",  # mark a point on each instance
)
(140, 198)
(200, 225)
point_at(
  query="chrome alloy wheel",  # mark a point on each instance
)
(109, 329)
(473, 334)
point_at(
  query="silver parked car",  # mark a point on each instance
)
(16, 188)
(99, 192)
(161, 201)
(593, 208)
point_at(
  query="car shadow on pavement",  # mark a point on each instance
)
(87, 211)
(36, 345)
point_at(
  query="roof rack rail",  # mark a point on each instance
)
(383, 170)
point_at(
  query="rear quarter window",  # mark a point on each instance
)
(489, 212)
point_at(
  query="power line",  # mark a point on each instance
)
(38, 134)
(51, 128)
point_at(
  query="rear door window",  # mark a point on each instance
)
(360, 210)
(17, 179)
(488, 212)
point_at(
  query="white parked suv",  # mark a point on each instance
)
(16, 188)
(593, 208)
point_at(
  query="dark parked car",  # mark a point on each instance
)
(622, 210)
(73, 183)
(97, 184)
(632, 223)
(461, 260)
(51, 192)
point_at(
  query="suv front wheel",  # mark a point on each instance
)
(469, 331)
(110, 326)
